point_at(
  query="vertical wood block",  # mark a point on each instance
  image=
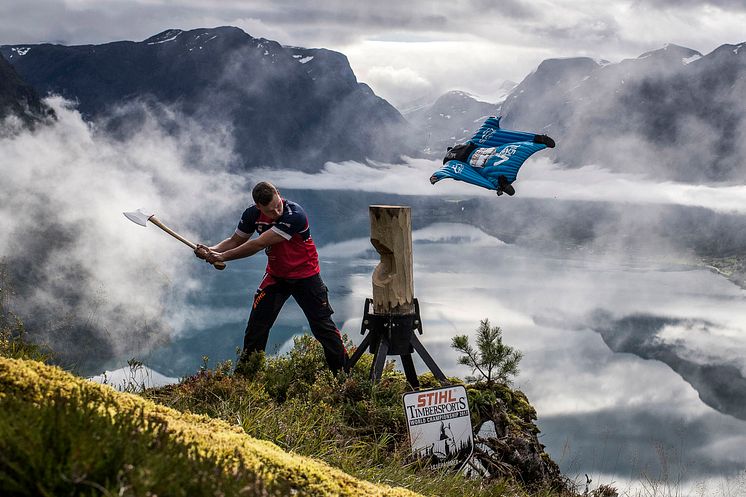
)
(391, 235)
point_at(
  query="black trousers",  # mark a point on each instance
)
(311, 294)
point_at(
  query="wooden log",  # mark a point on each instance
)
(393, 282)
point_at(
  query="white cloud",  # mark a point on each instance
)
(64, 189)
(259, 29)
(400, 85)
(538, 178)
(546, 180)
(708, 344)
(403, 71)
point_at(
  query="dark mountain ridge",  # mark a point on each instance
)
(670, 114)
(19, 99)
(287, 106)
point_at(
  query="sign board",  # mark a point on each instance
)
(440, 426)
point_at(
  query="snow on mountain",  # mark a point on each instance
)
(166, 36)
(17, 98)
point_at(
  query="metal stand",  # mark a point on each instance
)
(392, 334)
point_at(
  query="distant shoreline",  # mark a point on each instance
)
(733, 268)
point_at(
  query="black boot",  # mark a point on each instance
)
(544, 140)
(503, 185)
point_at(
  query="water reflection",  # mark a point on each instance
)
(604, 410)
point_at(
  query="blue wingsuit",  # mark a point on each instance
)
(492, 157)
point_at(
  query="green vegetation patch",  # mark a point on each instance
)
(359, 426)
(63, 435)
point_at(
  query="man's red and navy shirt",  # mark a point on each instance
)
(294, 258)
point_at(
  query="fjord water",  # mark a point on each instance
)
(585, 320)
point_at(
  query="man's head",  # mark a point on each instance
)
(267, 199)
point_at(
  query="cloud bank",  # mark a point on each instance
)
(85, 280)
(538, 179)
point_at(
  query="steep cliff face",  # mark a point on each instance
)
(18, 98)
(285, 106)
(507, 443)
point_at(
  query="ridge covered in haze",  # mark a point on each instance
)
(19, 99)
(669, 114)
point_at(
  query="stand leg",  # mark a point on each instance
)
(428, 360)
(379, 361)
(358, 352)
(409, 371)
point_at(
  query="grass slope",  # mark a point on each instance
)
(63, 435)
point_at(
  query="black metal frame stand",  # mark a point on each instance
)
(393, 334)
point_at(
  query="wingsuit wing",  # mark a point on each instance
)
(491, 153)
(461, 171)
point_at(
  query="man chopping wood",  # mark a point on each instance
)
(292, 269)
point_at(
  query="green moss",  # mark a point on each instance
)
(295, 402)
(88, 429)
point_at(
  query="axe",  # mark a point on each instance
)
(142, 218)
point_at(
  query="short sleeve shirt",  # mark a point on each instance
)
(294, 258)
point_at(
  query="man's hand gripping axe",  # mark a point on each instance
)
(142, 218)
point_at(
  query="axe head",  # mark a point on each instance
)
(139, 216)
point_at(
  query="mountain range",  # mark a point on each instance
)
(19, 99)
(453, 117)
(669, 114)
(285, 106)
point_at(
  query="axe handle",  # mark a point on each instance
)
(157, 222)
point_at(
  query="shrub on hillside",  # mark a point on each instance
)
(14, 342)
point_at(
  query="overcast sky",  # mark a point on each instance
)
(404, 50)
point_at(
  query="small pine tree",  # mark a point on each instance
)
(495, 361)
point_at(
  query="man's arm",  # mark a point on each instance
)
(247, 248)
(229, 243)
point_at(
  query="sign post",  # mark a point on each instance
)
(439, 424)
